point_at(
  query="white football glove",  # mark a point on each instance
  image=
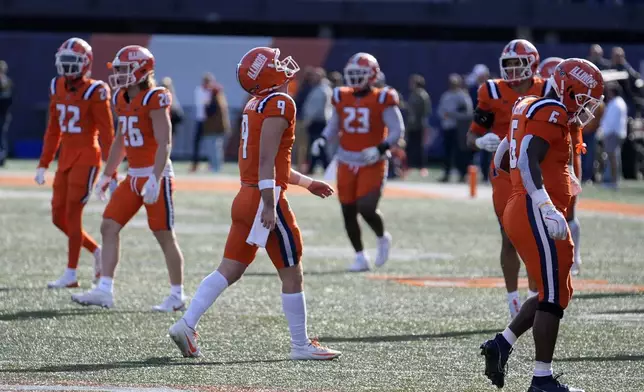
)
(151, 189)
(101, 186)
(40, 176)
(318, 146)
(371, 155)
(575, 184)
(488, 142)
(554, 219)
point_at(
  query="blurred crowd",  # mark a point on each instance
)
(435, 129)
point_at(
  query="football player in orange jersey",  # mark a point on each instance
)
(535, 216)
(79, 114)
(145, 138)
(261, 213)
(545, 70)
(519, 61)
(368, 122)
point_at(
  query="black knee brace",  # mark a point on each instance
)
(551, 308)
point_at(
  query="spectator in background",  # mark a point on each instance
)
(479, 75)
(419, 108)
(335, 78)
(316, 111)
(455, 111)
(6, 97)
(596, 56)
(301, 146)
(629, 86)
(612, 132)
(589, 133)
(203, 95)
(176, 112)
(216, 127)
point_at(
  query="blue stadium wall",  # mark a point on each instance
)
(185, 58)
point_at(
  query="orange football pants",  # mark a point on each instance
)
(357, 182)
(547, 261)
(127, 200)
(71, 191)
(501, 190)
(284, 245)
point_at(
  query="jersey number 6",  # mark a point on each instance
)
(131, 134)
(513, 144)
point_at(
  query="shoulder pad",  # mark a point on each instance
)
(277, 105)
(491, 88)
(157, 98)
(388, 96)
(339, 93)
(548, 110)
(97, 91)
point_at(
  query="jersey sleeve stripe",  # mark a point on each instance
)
(538, 105)
(149, 94)
(336, 94)
(493, 90)
(52, 86)
(91, 89)
(116, 94)
(383, 95)
(546, 88)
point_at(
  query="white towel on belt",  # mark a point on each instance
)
(258, 233)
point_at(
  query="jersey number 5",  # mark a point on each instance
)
(132, 135)
(65, 124)
(513, 144)
(361, 115)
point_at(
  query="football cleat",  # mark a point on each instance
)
(95, 297)
(185, 338)
(550, 384)
(170, 304)
(496, 360)
(384, 245)
(360, 264)
(313, 351)
(64, 282)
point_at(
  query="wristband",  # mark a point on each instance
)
(265, 184)
(382, 147)
(305, 181)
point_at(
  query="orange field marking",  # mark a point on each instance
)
(489, 283)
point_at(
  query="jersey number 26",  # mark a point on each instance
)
(132, 135)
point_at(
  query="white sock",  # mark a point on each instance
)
(294, 307)
(575, 232)
(70, 274)
(210, 288)
(97, 252)
(532, 293)
(105, 283)
(542, 369)
(514, 302)
(176, 290)
(509, 336)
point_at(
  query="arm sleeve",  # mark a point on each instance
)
(52, 137)
(332, 126)
(102, 114)
(392, 117)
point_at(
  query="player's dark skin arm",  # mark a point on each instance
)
(545, 325)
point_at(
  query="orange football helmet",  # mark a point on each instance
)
(547, 66)
(580, 87)
(260, 71)
(74, 58)
(519, 61)
(361, 71)
(131, 65)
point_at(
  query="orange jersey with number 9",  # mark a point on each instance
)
(135, 124)
(255, 112)
(360, 117)
(547, 119)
